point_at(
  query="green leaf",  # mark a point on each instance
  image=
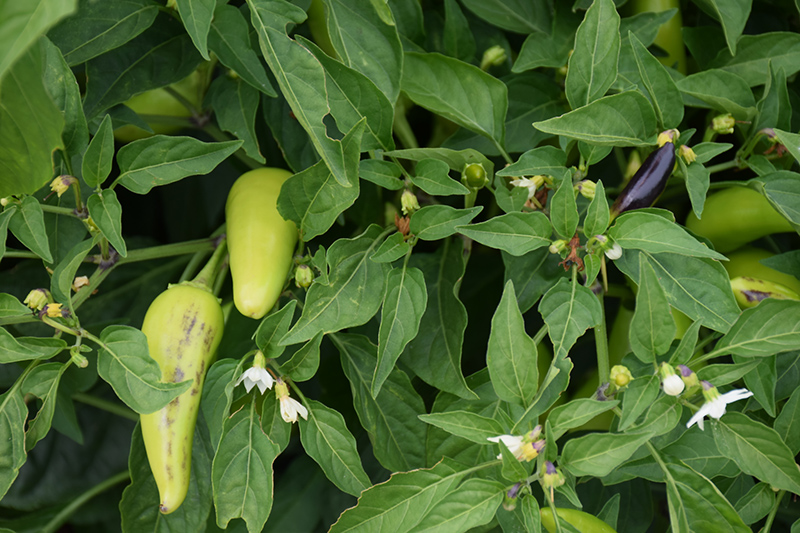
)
(457, 91)
(555, 383)
(456, 159)
(13, 412)
(564, 210)
(106, 211)
(305, 361)
(467, 425)
(569, 309)
(592, 66)
(229, 39)
(63, 88)
(774, 104)
(403, 306)
(391, 418)
(242, 471)
(547, 160)
(393, 248)
(782, 191)
(597, 454)
(401, 503)
(217, 396)
(24, 23)
(382, 173)
(314, 199)
(435, 353)
(472, 505)
(756, 504)
(597, 216)
(511, 355)
(272, 328)
(301, 79)
(755, 52)
(551, 50)
(652, 233)
(5, 218)
(273, 424)
(788, 422)
(533, 274)
(705, 508)
(64, 273)
(30, 123)
(661, 89)
(761, 381)
(17, 349)
(722, 91)
(353, 293)
(366, 39)
(513, 15)
(43, 383)
(457, 38)
(327, 440)
(699, 287)
(698, 179)
(164, 159)
(196, 16)
(652, 327)
(11, 307)
(161, 55)
(771, 327)
(125, 363)
(27, 225)
(733, 15)
(235, 104)
(724, 374)
(638, 397)
(434, 222)
(514, 233)
(576, 413)
(352, 97)
(624, 119)
(99, 27)
(139, 504)
(432, 176)
(758, 450)
(662, 417)
(99, 155)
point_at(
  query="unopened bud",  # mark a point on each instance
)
(558, 246)
(77, 358)
(551, 476)
(586, 188)
(409, 202)
(672, 384)
(723, 124)
(688, 376)
(493, 56)
(79, 282)
(37, 299)
(303, 276)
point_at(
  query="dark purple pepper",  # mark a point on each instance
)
(648, 183)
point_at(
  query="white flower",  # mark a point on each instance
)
(529, 183)
(673, 385)
(512, 442)
(716, 403)
(524, 447)
(290, 408)
(256, 376)
(615, 252)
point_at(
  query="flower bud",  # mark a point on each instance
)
(37, 299)
(688, 376)
(77, 358)
(474, 176)
(303, 276)
(79, 282)
(551, 476)
(586, 188)
(614, 252)
(510, 500)
(52, 310)
(620, 375)
(409, 202)
(670, 381)
(5, 201)
(723, 124)
(558, 246)
(493, 56)
(667, 136)
(687, 154)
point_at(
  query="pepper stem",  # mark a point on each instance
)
(205, 278)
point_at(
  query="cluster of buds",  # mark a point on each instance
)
(673, 383)
(524, 447)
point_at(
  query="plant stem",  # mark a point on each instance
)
(218, 135)
(601, 345)
(105, 405)
(58, 210)
(168, 250)
(57, 521)
(20, 254)
(722, 166)
(207, 275)
(773, 512)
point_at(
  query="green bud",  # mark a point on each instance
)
(492, 57)
(474, 176)
(723, 124)
(303, 276)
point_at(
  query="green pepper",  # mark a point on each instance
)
(183, 326)
(736, 216)
(584, 522)
(260, 242)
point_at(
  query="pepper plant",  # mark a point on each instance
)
(516, 303)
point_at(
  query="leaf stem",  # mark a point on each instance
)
(773, 512)
(218, 135)
(58, 210)
(208, 273)
(105, 405)
(59, 519)
(601, 345)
